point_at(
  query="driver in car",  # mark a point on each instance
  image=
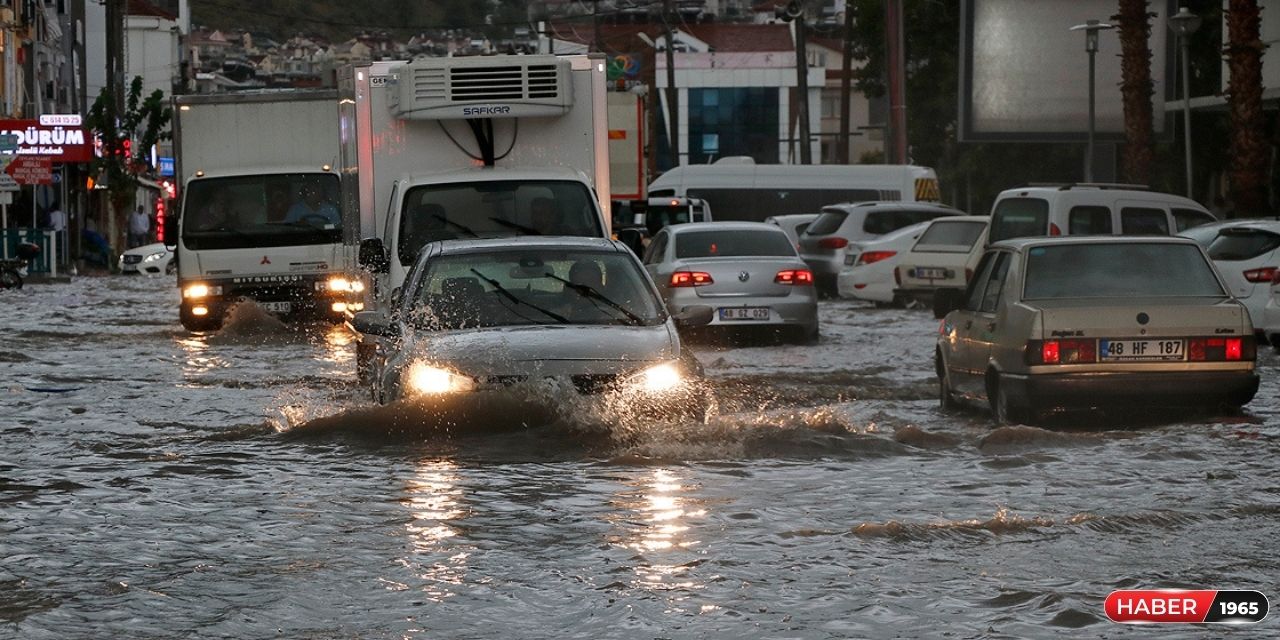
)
(312, 209)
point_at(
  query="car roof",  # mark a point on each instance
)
(480, 245)
(1019, 244)
(889, 204)
(1272, 226)
(722, 226)
(961, 219)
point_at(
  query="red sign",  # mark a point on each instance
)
(1186, 606)
(31, 170)
(617, 134)
(61, 143)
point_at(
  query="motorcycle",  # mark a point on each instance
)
(13, 269)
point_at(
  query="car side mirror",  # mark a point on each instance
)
(945, 301)
(697, 315)
(373, 256)
(634, 239)
(373, 323)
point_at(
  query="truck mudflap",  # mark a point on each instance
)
(292, 298)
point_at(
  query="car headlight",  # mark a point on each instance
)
(201, 290)
(159, 255)
(426, 379)
(658, 378)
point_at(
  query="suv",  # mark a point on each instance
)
(1091, 209)
(822, 244)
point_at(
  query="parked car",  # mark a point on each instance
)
(1092, 209)
(943, 258)
(869, 265)
(1073, 322)
(748, 272)
(155, 259)
(822, 244)
(1247, 255)
(793, 224)
(479, 316)
(1205, 234)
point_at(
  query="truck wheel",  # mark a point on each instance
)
(193, 323)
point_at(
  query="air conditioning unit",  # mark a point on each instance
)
(482, 87)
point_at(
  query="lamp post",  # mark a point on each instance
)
(1091, 29)
(1183, 25)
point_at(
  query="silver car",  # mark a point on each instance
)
(480, 316)
(748, 272)
(1094, 322)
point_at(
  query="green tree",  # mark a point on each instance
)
(1136, 89)
(126, 142)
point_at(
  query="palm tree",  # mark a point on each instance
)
(1244, 99)
(1136, 88)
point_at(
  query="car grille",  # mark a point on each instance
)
(585, 383)
(132, 259)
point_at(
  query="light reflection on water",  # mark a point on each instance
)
(434, 499)
(661, 515)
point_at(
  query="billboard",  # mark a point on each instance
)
(1024, 75)
(59, 142)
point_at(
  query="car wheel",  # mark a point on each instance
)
(1003, 408)
(946, 401)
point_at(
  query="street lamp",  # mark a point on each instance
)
(1091, 29)
(1183, 25)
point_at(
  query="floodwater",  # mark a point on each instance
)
(159, 485)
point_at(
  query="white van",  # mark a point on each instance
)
(739, 189)
(1091, 209)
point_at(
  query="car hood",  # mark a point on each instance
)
(546, 349)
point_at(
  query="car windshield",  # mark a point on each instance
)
(950, 236)
(734, 243)
(1019, 218)
(495, 209)
(272, 210)
(1116, 270)
(515, 287)
(827, 223)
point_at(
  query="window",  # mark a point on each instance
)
(950, 236)
(1144, 221)
(1019, 218)
(1184, 219)
(827, 223)
(754, 205)
(657, 249)
(1242, 243)
(978, 285)
(716, 244)
(266, 210)
(995, 286)
(1118, 270)
(1089, 221)
(743, 119)
(883, 221)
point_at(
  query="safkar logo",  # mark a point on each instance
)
(265, 260)
(486, 111)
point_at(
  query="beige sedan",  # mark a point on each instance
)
(1091, 323)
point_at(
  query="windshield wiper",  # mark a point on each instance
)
(591, 293)
(517, 226)
(461, 227)
(501, 290)
(223, 229)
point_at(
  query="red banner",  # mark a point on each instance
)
(31, 170)
(60, 143)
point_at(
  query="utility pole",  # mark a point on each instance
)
(115, 53)
(673, 137)
(794, 12)
(595, 24)
(897, 73)
(846, 74)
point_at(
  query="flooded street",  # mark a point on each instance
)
(159, 485)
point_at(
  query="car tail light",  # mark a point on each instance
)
(1074, 351)
(794, 276)
(1265, 274)
(869, 257)
(691, 279)
(1054, 230)
(1275, 279)
(833, 243)
(1221, 349)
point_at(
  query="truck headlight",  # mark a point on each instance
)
(426, 379)
(338, 283)
(201, 290)
(658, 378)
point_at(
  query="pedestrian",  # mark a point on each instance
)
(139, 227)
(58, 223)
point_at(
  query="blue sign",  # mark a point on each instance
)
(166, 166)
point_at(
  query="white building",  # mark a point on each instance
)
(152, 45)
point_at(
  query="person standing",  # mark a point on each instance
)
(139, 227)
(58, 223)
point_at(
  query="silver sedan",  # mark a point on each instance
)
(749, 272)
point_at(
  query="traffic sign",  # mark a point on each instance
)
(31, 170)
(7, 183)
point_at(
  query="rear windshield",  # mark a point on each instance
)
(1019, 218)
(950, 236)
(1118, 271)
(716, 244)
(1242, 244)
(882, 222)
(826, 223)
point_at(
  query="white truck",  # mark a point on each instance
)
(261, 205)
(467, 147)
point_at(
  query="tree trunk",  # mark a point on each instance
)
(1136, 88)
(1244, 100)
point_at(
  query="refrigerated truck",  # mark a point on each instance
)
(260, 214)
(467, 147)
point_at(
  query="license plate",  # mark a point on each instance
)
(276, 307)
(1142, 349)
(849, 259)
(745, 313)
(930, 273)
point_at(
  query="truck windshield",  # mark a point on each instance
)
(272, 210)
(495, 209)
